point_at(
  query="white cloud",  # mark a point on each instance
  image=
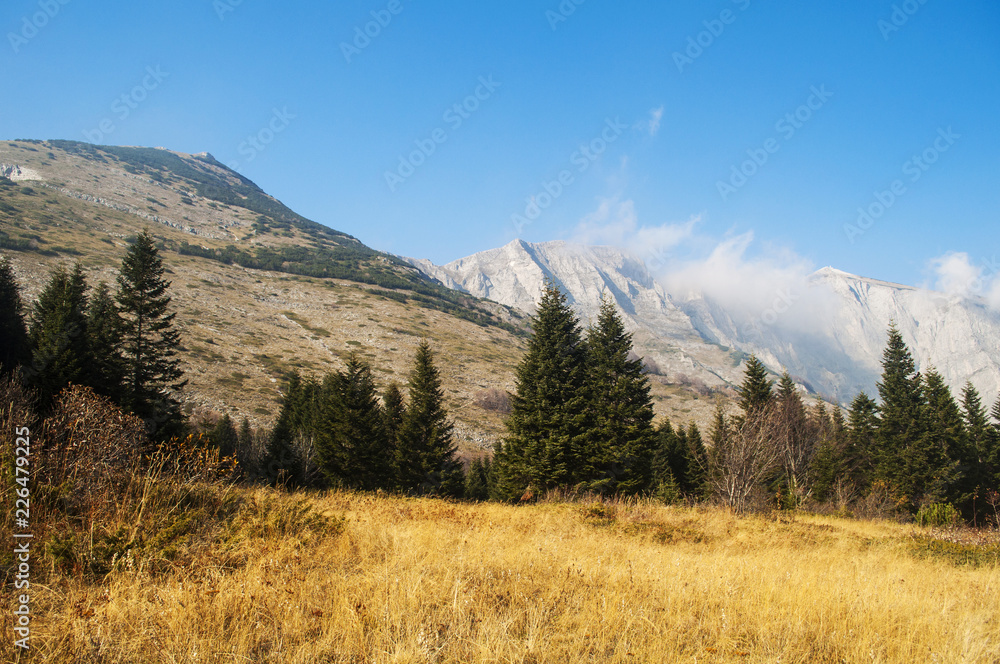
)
(655, 116)
(615, 223)
(956, 275)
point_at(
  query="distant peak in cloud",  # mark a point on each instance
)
(956, 274)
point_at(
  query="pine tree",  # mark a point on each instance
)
(477, 480)
(104, 337)
(934, 466)
(900, 421)
(393, 409)
(664, 458)
(426, 455)
(696, 481)
(546, 442)
(287, 460)
(351, 445)
(58, 334)
(756, 392)
(862, 431)
(15, 349)
(797, 446)
(621, 438)
(223, 436)
(149, 340)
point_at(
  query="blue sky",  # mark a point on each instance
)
(669, 99)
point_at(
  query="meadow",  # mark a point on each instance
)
(206, 572)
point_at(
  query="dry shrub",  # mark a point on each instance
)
(494, 400)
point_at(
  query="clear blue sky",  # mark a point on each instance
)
(225, 66)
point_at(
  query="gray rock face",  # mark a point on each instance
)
(829, 334)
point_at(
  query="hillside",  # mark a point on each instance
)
(244, 328)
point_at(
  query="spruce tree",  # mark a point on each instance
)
(861, 434)
(477, 480)
(393, 409)
(224, 437)
(426, 454)
(797, 448)
(665, 456)
(58, 334)
(104, 337)
(546, 442)
(935, 466)
(149, 340)
(622, 440)
(696, 480)
(980, 438)
(15, 349)
(287, 461)
(756, 392)
(352, 448)
(900, 420)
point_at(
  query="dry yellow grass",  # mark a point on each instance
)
(390, 579)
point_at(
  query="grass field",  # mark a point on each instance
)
(267, 576)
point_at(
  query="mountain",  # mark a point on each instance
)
(259, 290)
(829, 333)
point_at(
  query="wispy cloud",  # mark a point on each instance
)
(616, 223)
(955, 274)
(653, 125)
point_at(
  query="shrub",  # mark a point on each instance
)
(938, 514)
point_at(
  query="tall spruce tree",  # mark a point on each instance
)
(426, 454)
(900, 416)
(58, 334)
(622, 440)
(862, 431)
(104, 337)
(797, 446)
(287, 461)
(149, 340)
(756, 391)
(352, 447)
(696, 481)
(935, 465)
(981, 439)
(393, 409)
(546, 441)
(15, 349)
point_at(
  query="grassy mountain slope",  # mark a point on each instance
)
(260, 291)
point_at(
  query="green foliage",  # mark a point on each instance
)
(15, 350)
(104, 337)
(223, 436)
(149, 340)
(58, 334)
(621, 440)
(900, 421)
(393, 409)
(478, 481)
(938, 514)
(287, 461)
(547, 440)
(756, 392)
(353, 449)
(426, 454)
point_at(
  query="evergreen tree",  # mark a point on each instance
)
(621, 438)
(796, 443)
(695, 482)
(104, 336)
(149, 340)
(900, 421)
(934, 466)
(223, 436)
(862, 431)
(58, 334)
(665, 456)
(546, 440)
(756, 392)
(393, 409)
(477, 480)
(352, 448)
(15, 349)
(426, 455)
(287, 461)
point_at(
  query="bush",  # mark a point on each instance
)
(938, 514)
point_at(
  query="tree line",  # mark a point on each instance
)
(581, 417)
(121, 342)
